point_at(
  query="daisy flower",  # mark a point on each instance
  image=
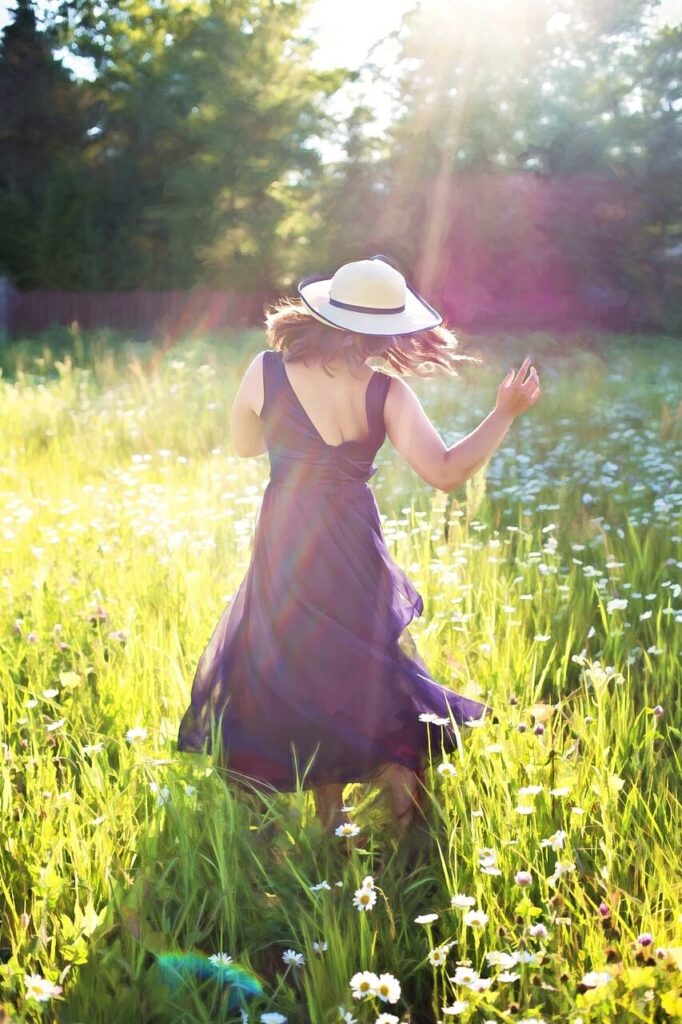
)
(364, 899)
(387, 988)
(454, 1009)
(39, 988)
(461, 901)
(220, 958)
(475, 918)
(138, 732)
(347, 829)
(362, 984)
(290, 956)
(425, 918)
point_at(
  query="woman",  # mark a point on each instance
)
(311, 676)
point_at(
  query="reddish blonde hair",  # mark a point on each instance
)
(292, 329)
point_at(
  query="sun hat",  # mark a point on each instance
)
(370, 297)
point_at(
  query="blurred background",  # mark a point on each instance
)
(173, 166)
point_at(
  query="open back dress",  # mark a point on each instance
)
(311, 673)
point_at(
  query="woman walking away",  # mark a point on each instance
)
(305, 677)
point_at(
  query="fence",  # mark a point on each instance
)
(144, 314)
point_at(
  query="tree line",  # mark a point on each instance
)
(191, 157)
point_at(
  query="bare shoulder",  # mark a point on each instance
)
(398, 394)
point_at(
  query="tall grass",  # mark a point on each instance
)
(552, 589)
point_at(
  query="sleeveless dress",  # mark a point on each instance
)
(306, 672)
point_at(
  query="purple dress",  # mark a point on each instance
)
(307, 672)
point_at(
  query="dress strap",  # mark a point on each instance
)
(271, 377)
(376, 400)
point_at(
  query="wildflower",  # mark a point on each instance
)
(475, 918)
(347, 829)
(387, 1018)
(538, 931)
(508, 976)
(480, 984)
(617, 604)
(93, 748)
(525, 809)
(539, 729)
(273, 1018)
(523, 878)
(367, 882)
(530, 790)
(138, 732)
(320, 947)
(438, 956)
(645, 939)
(55, 725)
(220, 958)
(556, 841)
(560, 791)
(50, 693)
(40, 988)
(162, 793)
(428, 716)
(461, 901)
(387, 988)
(604, 910)
(363, 984)
(659, 711)
(290, 956)
(320, 885)
(425, 918)
(464, 976)
(521, 727)
(595, 979)
(454, 1009)
(446, 769)
(497, 958)
(189, 789)
(347, 1017)
(364, 899)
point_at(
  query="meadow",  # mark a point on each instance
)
(545, 885)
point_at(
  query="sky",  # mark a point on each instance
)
(345, 31)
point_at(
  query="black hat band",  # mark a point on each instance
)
(366, 309)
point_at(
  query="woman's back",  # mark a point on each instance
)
(334, 401)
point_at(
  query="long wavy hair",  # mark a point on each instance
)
(293, 330)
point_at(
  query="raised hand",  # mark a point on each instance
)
(515, 394)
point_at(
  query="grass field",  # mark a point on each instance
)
(549, 886)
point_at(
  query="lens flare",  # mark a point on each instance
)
(179, 968)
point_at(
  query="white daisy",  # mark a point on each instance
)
(461, 901)
(138, 732)
(464, 976)
(387, 988)
(273, 1018)
(439, 955)
(595, 979)
(362, 984)
(39, 988)
(504, 976)
(290, 956)
(347, 829)
(475, 918)
(454, 1009)
(320, 885)
(425, 918)
(447, 770)
(220, 958)
(364, 899)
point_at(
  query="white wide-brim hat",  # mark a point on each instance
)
(369, 297)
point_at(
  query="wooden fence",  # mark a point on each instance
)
(144, 314)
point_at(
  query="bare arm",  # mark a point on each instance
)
(413, 434)
(246, 428)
